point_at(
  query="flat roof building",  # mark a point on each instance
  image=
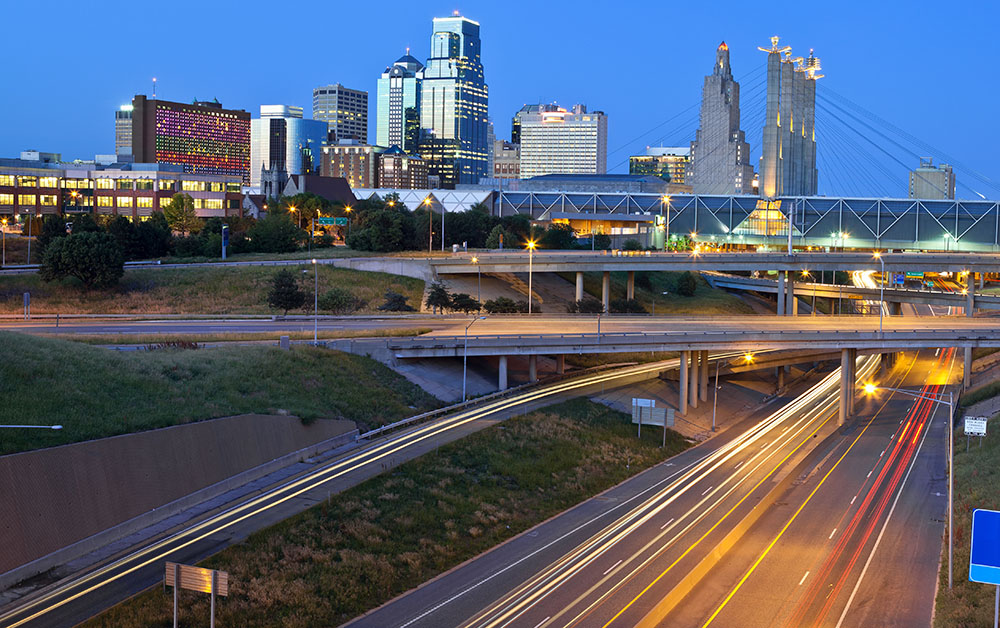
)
(344, 110)
(401, 171)
(670, 163)
(932, 182)
(559, 141)
(353, 161)
(281, 139)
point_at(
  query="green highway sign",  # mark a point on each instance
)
(332, 221)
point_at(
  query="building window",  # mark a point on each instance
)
(105, 184)
(7, 179)
(27, 182)
(213, 203)
(144, 184)
(48, 182)
(193, 186)
(197, 203)
(167, 184)
(104, 201)
(144, 201)
(48, 200)
(216, 186)
(233, 188)
(124, 201)
(164, 201)
(6, 199)
(26, 199)
(124, 184)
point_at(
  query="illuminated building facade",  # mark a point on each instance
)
(400, 171)
(788, 153)
(281, 139)
(720, 154)
(344, 110)
(398, 104)
(670, 163)
(932, 182)
(506, 160)
(351, 160)
(453, 104)
(201, 137)
(559, 141)
(123, 132)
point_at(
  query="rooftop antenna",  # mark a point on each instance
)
(154, 88)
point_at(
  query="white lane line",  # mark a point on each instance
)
(667, 523)
(804, 576)
(543, 621)
(707, 490)
(870, 473)
(606, 572)
(740, 464)
(937, 352)
(881, 454)
(832, 533)
(852, 499)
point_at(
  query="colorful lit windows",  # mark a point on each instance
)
(26, 200)
(27, 182)
(47, 200)
(125, 201)
(105, 184)
(105, 201)
(48, 182)
(6, 199)
(144, 201)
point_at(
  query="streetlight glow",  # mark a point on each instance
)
(748, 358)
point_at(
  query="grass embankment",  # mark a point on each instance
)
(649, 289)
(588, 360)
(17, 250)
(986, 391)
(143, 339)
(93, 392)
(224, 290)
(330, 252)
(395, 531)
(977, 485)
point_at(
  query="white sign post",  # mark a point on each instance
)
(975, 426)
(642, 411)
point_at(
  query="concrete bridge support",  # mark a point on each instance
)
(848, 362)
(693, 380)
(502, 368)
(703, 377)
(560, 364)
(967, 368)
(606, 290)
(895, 308)
(682, 404)
(579, 286)
(791, 304)
(630, 285)
(532, 368)
(781, 377)
(781, 293)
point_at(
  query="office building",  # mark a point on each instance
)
(202, 137)
(932, 182)
(398, 104)
(344, 110)
(506, 160)
(788, 152)
(123, 132)
(398, 170)
(559, 141)
(282, 140)
(353, 161)
(720, 154)
(453, 104)
(670, 163)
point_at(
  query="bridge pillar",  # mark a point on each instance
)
(781, 377)
(579, 286)
(502, 368)
(630, 285)
(781, 293)
(606, 290)
(895, 308)
(532, 368)
(970, 298)
(790, 303)
(703, 376)
(967, 368)
(853, 363)
(682, 405)
(560, 364)
(693, 380)
(846, 386)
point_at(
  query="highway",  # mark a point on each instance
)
(221, 325)
(84, 595)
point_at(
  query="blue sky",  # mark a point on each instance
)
(923, 66)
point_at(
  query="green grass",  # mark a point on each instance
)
(95, 392)
(152, 338)
(224, 290)
(324, 253)
(395, 531)
(986, 391)
(977, 485)
(649, 289)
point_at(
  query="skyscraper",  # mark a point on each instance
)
(788, 155)
(123, 132)
(720, 155)
(557, 141)
(932, 182)
(280, 139)
(398, 104)
(453, 104)
(668, 163)
(344, 110)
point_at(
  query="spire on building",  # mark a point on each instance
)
(722, 61)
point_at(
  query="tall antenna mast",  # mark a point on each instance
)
(154, 88)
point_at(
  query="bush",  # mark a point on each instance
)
(631, 245)
(53, 227)
(587, 305)
(154, 236)
(285, 293)
(503, 305)
(626, 306)
(338, 301)
(602, 242)
(274, 234)
(93, 258)
(188, 246)
(687, 284)
(509, 239)
(464, 303)
(384, 230)
(438, 297)
(395, 302)
(559, 236)
(323, 242)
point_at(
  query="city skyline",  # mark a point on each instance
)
(519, 74)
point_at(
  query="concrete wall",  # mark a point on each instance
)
(59, 496)
(416, 268)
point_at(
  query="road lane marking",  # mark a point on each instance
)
(804, 576)
(707, 490)
(543, 621)
(830, 537)
(667, 523)
(605, 573)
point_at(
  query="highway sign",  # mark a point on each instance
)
(984, 562)
(975, 426)
(197, 578)
(326, 220)
(898, 278)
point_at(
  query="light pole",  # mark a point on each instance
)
(881, 290)
(347, 210)
(715, 400)
(315, 303)
(299, 217)
(430, 225)
(666, 226)
(39, 427)
(442, 228)
(479, 289)
(937, 398)
(531, 252)
(3, 261)
(465, 353)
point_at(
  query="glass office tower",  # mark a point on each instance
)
(453, 105)
(398, 104)
(281, 139)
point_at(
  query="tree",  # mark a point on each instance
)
(85, 223)
(687, 283)
(464, 303)
(154, 236)
(631, 245)
(559, 236)
(180, 214)
(493, 241)
(276, 233)
(93, 258)
(53, 227)
(383, 230)
(438, 297)
(602, 242)
(285, 293)
(338, 301)
(587, 305)
(395, 302)
(125, 233)
(503, 305)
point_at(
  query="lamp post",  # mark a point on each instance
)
(465, 353)
(315, 303)
(299, 217)
(665, 202)
(430, 225)
(3, 261)
(479, 289)
(881, 290)
(715, 399)
(39, 427)
(531, 251)
(347, 210)
(937, 398)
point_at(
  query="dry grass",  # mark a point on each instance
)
(395, 531)
(17, 250)
(142, 339)
(226, 290)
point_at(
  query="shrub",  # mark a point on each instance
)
(154, 236)
(587, 305)
(285, 293)
(323, 242)
(188, 246)
(602, 242)
(626, 306)
(438, 297)
(93, 258)
(395, 302)
(631, 245)
(493, 240)
(274, 234)
(464, 303)
(687, 283)
(338, 301)
(559, 236)
(503, 305)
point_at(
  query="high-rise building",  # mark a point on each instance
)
(506, 160)
(281, 139)
(788, 153)
(399, 171)
(515, 122)
(351, 160)
(344, 110)
(670, 163)
(932, 182)
(720, 154)
(202, 137)
(557, 141)
(398, 104)
(123, 132)
(453, 104)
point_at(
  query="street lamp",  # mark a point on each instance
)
(347, 210)
(465, 353)
(292, 209)
(531, 250)
(871, 388)
(665, 201)
(479, 289)
(430, 226)
(881, 290)
(40, 427)
(3, 261)
(315, 303)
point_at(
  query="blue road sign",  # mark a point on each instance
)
(984, 563)
(898, 278)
